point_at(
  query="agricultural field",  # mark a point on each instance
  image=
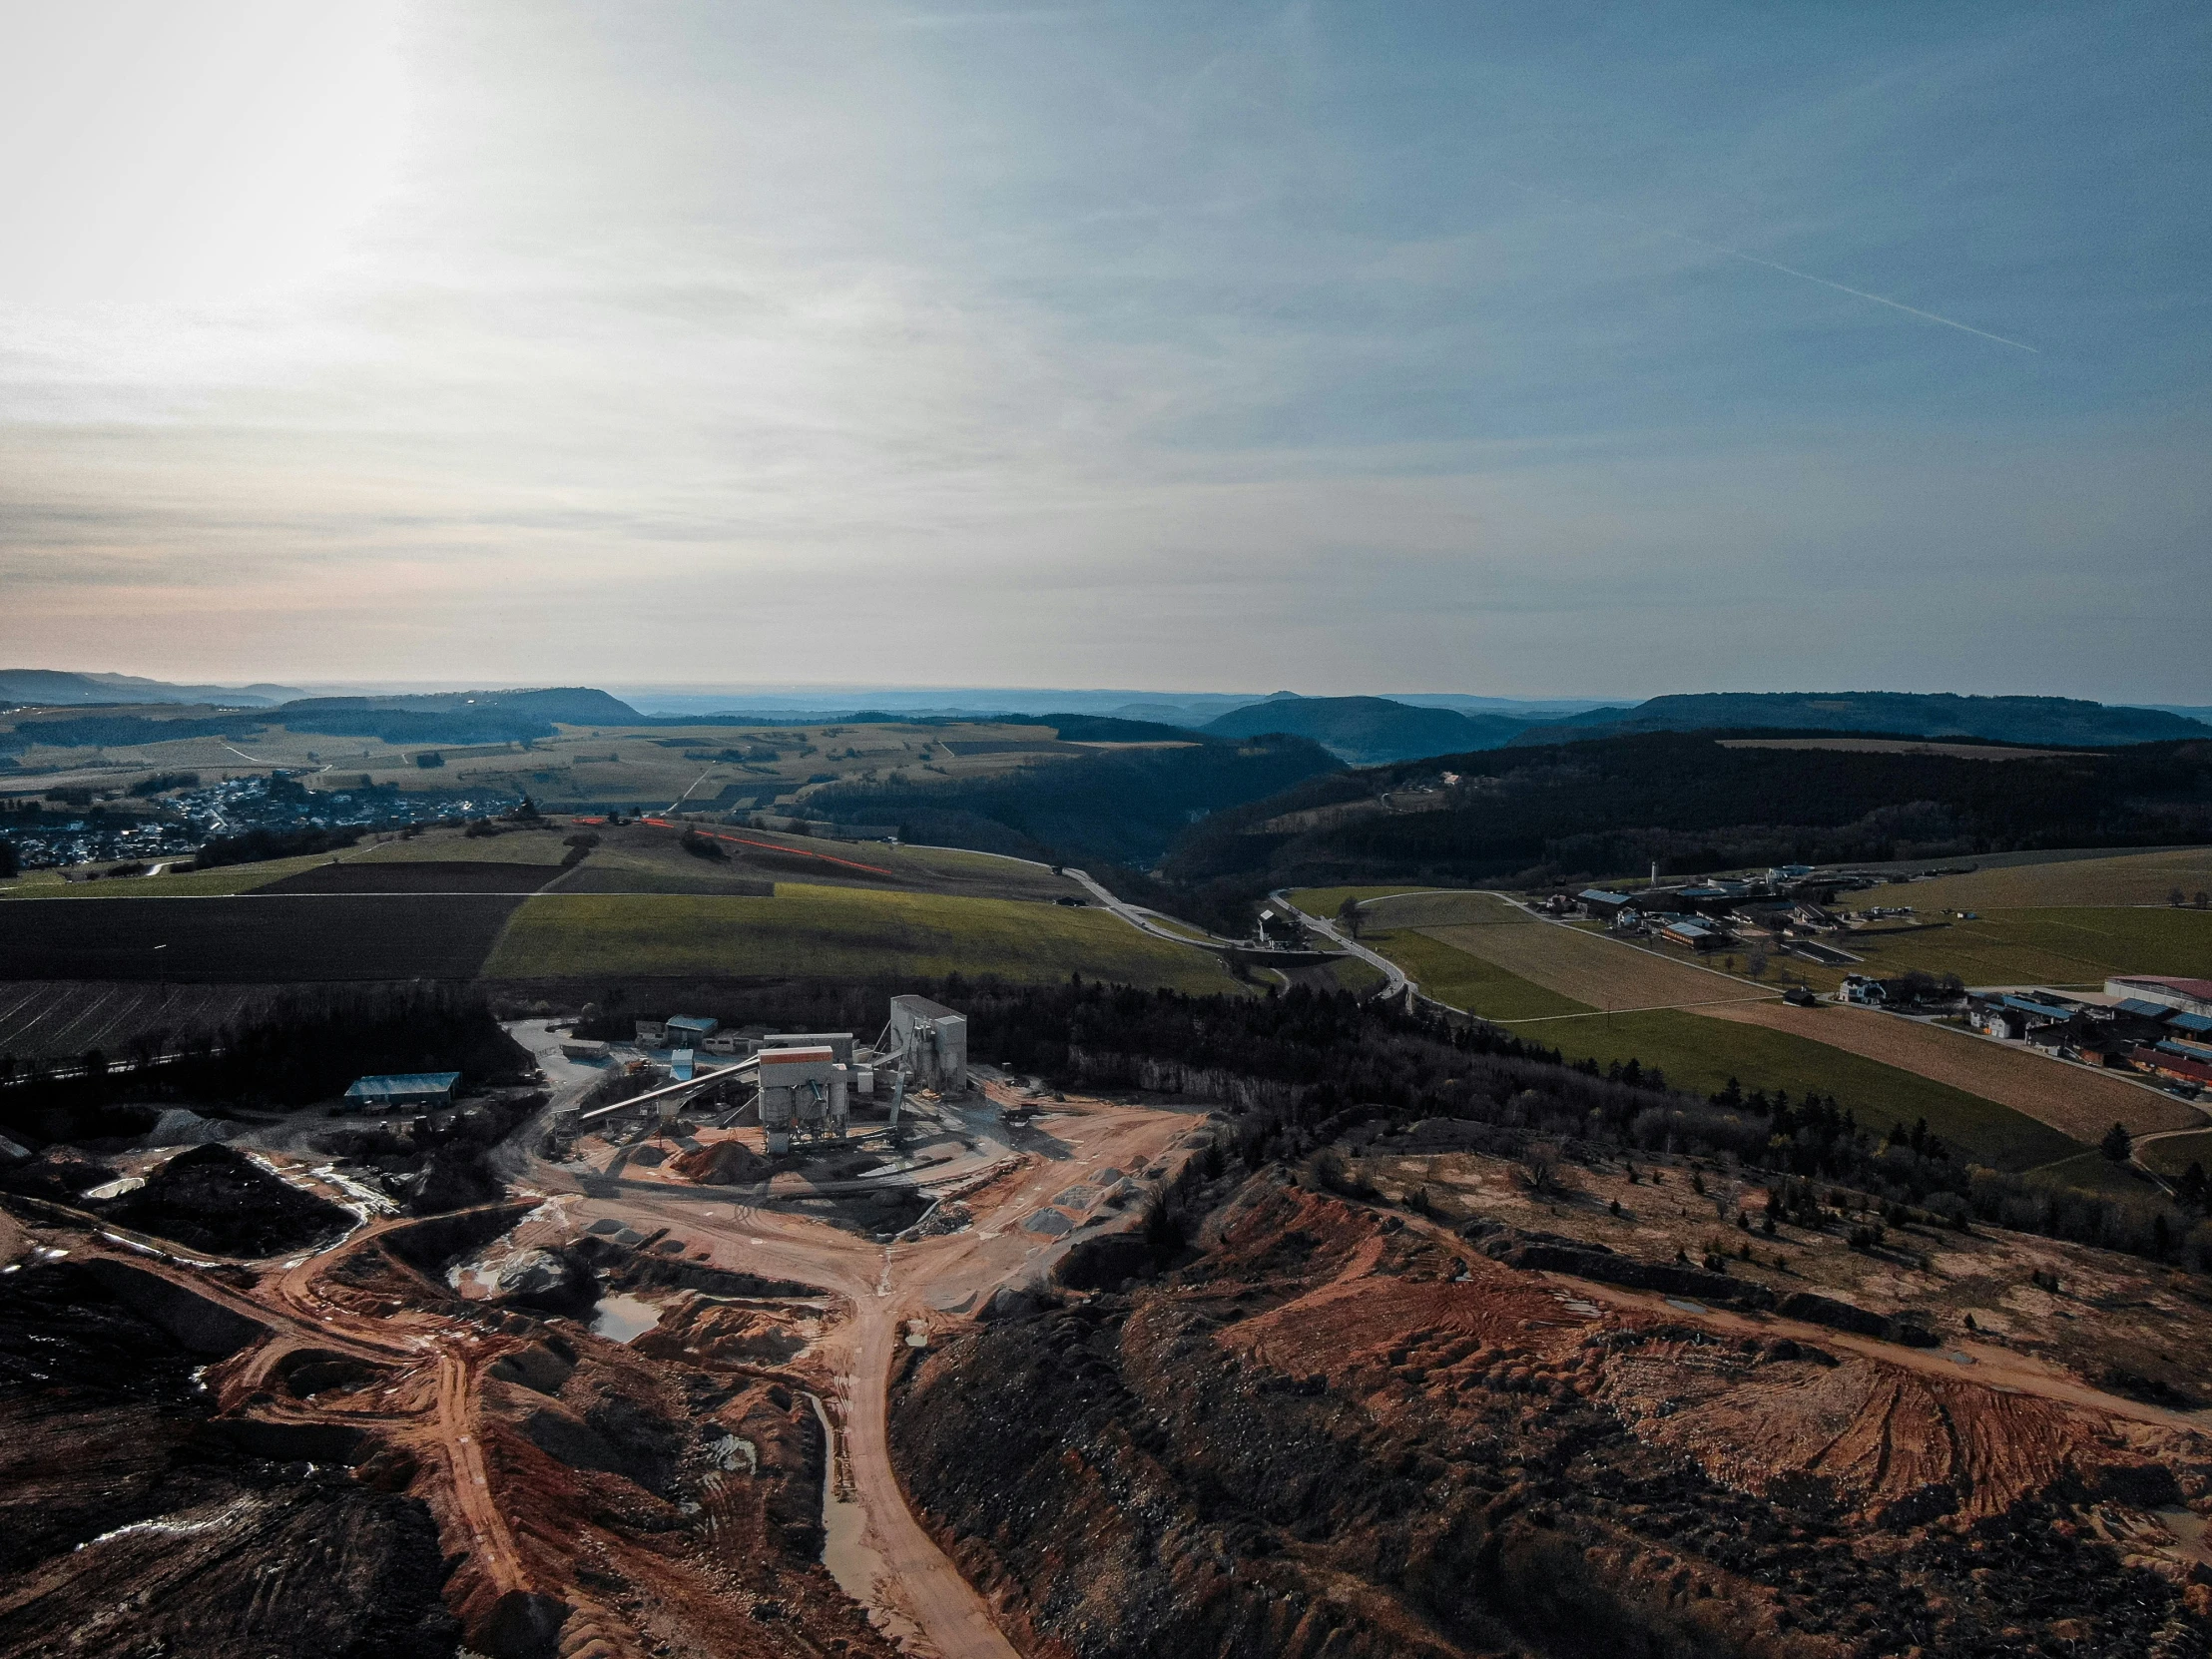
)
(2073, 1099)
(224, 880)
(656, 853)
(2077, 947)
(2054, 883)
(835, 933)
(701, 769)
(255, 938)
(1597, 972)
(1670, 1027)
(60, 1021)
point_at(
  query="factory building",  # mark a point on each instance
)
(414, 1088)
(932, 1041)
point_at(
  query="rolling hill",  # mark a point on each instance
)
(2057, 719)
(1368, 730)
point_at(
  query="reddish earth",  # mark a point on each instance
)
(1343, 1430)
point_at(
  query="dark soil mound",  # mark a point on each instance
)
(220, 1201)
(59, 1173)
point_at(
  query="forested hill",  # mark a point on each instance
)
(1121, 807)
(2052, 720)
(1614, 805)
(1369, 730)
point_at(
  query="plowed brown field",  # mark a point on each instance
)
(2071, 1099)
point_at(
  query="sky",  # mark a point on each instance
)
(1505, 350)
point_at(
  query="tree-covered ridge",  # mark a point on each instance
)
(1693, 804)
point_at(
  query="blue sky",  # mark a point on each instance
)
(1333, 347)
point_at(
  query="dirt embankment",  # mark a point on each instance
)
(129, 1523)
(343, 1457)
(1339, 1432)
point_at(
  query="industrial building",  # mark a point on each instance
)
(414, 1088)
(930, 1041)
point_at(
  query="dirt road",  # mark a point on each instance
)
(880, 1552)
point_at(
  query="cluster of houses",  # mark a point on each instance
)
(1787, 910)
(2144, 1024)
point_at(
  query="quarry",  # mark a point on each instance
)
(803, 1342)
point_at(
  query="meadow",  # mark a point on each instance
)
(835, 932)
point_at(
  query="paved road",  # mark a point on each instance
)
(1399, 983)
(1141, 919)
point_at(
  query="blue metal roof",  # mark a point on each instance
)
(2196, 1024)
(1601, 896)
(680, 1065)
(2041, 1010)
(694, 1022)
(2195, 1051)
(405, 1082)
(2143, 1010)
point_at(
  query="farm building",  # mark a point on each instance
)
(1697, 935)
(652, 1034)
(2184, 1062)
(691, 1030)
(413, 1088)
(1601, 904)
(2190, 996)
(583, 1049)
(2006, 1015)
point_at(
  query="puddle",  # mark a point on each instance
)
(1687, 1306)
(917, 1333)
(1961, 1358)
(623, 1319)
(857, 1565)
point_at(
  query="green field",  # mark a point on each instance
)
(2093, 1172)
(190, 883)
(1701, 1055)
(1468, 982)
(2121, 878)
(835, 932)
(2071, 947)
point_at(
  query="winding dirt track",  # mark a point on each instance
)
(890, 1562)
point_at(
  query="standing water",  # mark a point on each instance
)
(623, 1319)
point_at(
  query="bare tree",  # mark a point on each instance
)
(1542, 1172)
(1348, 914)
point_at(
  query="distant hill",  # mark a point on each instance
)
(457, 717)
(61, 688)
(2026, 720)
(1368, 731)
(1690, 803)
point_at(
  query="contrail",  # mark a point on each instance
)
(1775, 265)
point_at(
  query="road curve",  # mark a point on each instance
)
(1399, 983)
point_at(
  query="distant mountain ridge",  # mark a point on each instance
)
(2026, 719)
(64, 687)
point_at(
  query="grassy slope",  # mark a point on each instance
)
(2176, 1152)
(515, 846)
(2128, 879)
(2064, 946)
(834, 933)
(198, 884)
(1701, 1054)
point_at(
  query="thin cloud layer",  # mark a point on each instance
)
(1125, 345)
